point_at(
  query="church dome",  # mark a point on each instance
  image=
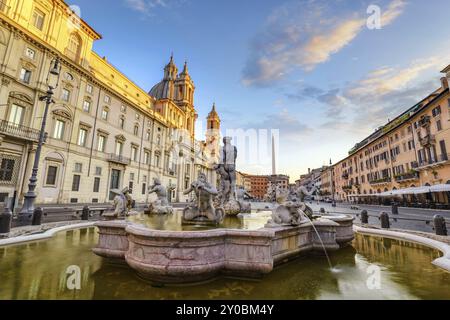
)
(161, 90)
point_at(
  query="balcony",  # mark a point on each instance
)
(428, 140)
(381, 181)
(19, 131)
(431, 163)
(425, 121)
(118, 159)
(407, 177)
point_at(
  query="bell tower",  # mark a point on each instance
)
(213, 131)
(184, 89)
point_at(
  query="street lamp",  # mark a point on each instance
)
(26, 213)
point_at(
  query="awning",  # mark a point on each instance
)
(412, 190)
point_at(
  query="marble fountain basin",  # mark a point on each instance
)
(176, 257)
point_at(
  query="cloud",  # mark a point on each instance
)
(370, 101)
(148, 6)
(289, 126)
(304, 34)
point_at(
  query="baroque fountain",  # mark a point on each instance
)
(173, 257)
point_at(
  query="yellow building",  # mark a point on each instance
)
(104, 132)
(410, 151)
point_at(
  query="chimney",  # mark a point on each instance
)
(444, 83)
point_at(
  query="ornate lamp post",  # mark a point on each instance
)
(26, 213)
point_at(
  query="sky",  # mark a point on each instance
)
(320, 75)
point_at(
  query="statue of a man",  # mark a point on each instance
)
(161, 204)
(202, 206)
(160, 192)
(228, 155)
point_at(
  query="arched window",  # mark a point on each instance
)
(74, 47)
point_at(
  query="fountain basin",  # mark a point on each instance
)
(171, 257)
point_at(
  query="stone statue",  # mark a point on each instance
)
(292, 211)
(302, 192)
(122, 204)
(161, 204)
(201, 210)
(245, 205)
(270, 195)
(226, 169)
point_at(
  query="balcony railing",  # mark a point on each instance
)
(428, 140)
(382, 180)
(407, 176)
(18, 131)
(118, 159)
(430, 162)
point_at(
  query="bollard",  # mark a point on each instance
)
(384, 217)
(5, 221)
(394, 208)
(439, 225)
(85, 213)
(37, 217)
(322, 211)
(364, 217)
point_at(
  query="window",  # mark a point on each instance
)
(16, 114)
(147, 135)
(25, 75)
(86, 106)
(132, 176)
(98, 171)
(78, 167)
(107, 99)
(436, 111)
(74, 46)
(144, 188)
(105, 112)
(438, 125)
(51, 175)
(58, 133)
(82, 135)
(136, 130)
(134, 152)
(38, 19)
(30, 53)
(130, 187)
(76, 182)
(101, 143)
(68, 76)
(6, 169)
(119, 148)
(89, 89)
(146, 157)
(96, 184)
(121, 122)
(157, 160)
(65, 95)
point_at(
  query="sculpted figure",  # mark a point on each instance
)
(161, 204)
(122, 204)
(201, 209)
(245, 205)
(292, 210)
(226, 169)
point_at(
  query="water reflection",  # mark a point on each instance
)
(38, 271)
